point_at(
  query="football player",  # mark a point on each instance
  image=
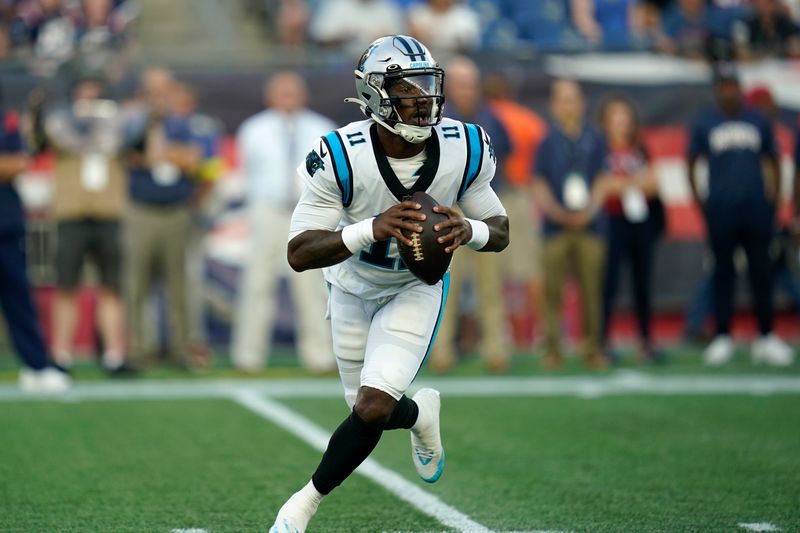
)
(348, 220)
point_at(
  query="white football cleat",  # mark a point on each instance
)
(426, 442)
(771, 350)
(294, 515)
(720, 351)
(48, 380)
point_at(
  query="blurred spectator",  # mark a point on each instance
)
(634, 216)
(465, 103)
(743, 171)
(701, 308)
(165, 163)
(292, 22)
(102, 39)
(543, 23)
(611, 24)
(88, 203)
(569, 164)
(768, 32)
(37, 374)
(651, 33)
(445, 26)
(184, 106)
(692, 25)
(46, 27)
(526, 130)
(271, 144)
(353, 24)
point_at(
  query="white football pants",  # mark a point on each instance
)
(383, 343)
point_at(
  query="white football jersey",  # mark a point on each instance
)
(347, 178)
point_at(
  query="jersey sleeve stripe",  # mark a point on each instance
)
(341, 166)
(474, 157)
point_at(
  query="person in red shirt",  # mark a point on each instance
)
(632, 210)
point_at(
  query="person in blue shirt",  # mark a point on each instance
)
(739, 147)
(169, 156)
(570, 167)
(38, 373)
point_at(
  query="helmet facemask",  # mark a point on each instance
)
(411, 101)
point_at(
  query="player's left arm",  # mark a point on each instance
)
(484, 225)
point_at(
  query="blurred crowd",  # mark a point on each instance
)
(581, 192)
(745, 29)
(129, 177)
(48, 37)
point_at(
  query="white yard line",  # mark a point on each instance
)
(315, 436)
(759, 526)
(619, 383)
(193, 530)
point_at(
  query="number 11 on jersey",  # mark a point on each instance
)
(378, 255)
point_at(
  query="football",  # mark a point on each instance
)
(426, 258)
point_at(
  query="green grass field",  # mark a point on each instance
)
(538, 455)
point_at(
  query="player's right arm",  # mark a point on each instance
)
(315, 241)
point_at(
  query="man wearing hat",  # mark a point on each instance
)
(739, 147)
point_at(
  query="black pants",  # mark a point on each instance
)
(632, 242)
(753, 232)
(17, 302)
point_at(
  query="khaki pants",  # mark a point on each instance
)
(523, 257)
(583, 254)
(156, 241)
(256, 307)
(486, 271)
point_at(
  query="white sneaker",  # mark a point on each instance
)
(48, 380)
(720, 351)
(295, 514)
(426, 442)
(771, 350)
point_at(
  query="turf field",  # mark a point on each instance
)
(644, 450)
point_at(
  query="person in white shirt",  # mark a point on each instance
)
(270, 146)
(353, 24)
(448, 26)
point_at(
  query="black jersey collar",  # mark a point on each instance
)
(426, 174)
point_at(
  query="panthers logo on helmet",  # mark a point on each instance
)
(314, 162)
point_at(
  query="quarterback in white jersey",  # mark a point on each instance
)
(351, 214)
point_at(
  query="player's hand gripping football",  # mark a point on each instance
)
(399, 217)
(460, 233)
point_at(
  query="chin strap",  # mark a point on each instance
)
(412, 134)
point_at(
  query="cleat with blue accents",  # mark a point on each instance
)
(295, 514)
(427, 452)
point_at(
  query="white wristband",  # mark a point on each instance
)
(480, 234)
(359, 235)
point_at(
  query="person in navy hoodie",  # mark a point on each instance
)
(743, 170)
(38, 373)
